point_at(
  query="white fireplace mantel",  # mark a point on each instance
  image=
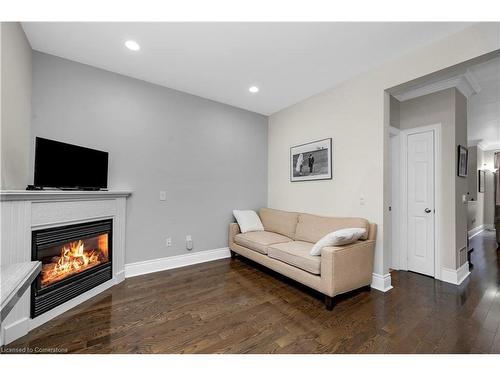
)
(23, 211)
(38, 195)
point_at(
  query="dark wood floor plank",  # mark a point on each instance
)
(236, 306)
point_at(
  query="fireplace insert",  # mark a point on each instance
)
(75, 259)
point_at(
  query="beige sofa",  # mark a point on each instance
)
(286, 241)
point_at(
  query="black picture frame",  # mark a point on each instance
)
(481, 177)
(462, 161)
(318, 146)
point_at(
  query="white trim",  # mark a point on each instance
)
(491, 147)
(381, 282)
(403, 256)
(395, 201)
(472, 81)
(475, 231)
(393, 131)
(489, 227)
(476, 142)
(42, 195)
(15, 330)
(465, 83)
(161, 264)
(455, 277)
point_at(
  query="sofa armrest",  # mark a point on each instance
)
(234, 229)
(346, 268)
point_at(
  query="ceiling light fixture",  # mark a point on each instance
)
(132, 45)
(253, 89)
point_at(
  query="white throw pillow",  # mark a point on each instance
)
(338, 238)
(248, 220)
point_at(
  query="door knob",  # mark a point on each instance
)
(427, 210)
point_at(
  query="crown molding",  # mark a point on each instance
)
(492, 147)
(465, 83)
(476, 142)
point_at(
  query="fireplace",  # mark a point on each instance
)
(75, 259)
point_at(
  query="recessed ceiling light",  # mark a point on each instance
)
(253, 89)
(132, 45)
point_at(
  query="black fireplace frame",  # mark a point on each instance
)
(51, 296)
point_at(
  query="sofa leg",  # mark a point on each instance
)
(233, 254)
(329, 303)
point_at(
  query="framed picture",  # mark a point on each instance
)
(463, 154)
(480, 183)
(311, 161)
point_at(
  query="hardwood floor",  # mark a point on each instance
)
(235, 306)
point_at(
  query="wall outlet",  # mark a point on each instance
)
(168, 242)
(189, 242)
(361, 201)
(163, 195)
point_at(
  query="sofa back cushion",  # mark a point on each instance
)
(281, 222)
(312, 228)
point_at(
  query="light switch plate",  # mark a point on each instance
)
(163, 195)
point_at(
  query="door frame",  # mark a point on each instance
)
(394, 155)
(403, 256)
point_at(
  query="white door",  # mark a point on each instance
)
(420, 182)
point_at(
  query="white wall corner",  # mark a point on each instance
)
(183, 260)
(455, 277)
(381, 282)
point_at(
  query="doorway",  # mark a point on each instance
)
(415, 234)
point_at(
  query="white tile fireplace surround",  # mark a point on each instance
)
(25, 211)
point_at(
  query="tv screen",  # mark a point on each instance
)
(62, 165)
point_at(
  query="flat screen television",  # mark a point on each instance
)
(65, 166)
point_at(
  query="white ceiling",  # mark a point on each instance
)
(483, 119)
(287, 61)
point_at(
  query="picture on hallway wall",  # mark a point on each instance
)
(463, 154)
(482, 176)
(311, 161)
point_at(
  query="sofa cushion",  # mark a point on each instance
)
(259, 241)
(296, 253)
(248, 220)
(277, 221)
(311, 228)
(340, 237)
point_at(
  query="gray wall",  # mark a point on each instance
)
(461, 183)
(210, 158)
(16, 106)
(441, 107)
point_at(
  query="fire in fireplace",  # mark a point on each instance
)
(74, 258)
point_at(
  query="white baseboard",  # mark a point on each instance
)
(455, 277)
(119, 277)
(381, 282)
(15, 330)
(475, 231)
(489, 227)
(162, 264)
